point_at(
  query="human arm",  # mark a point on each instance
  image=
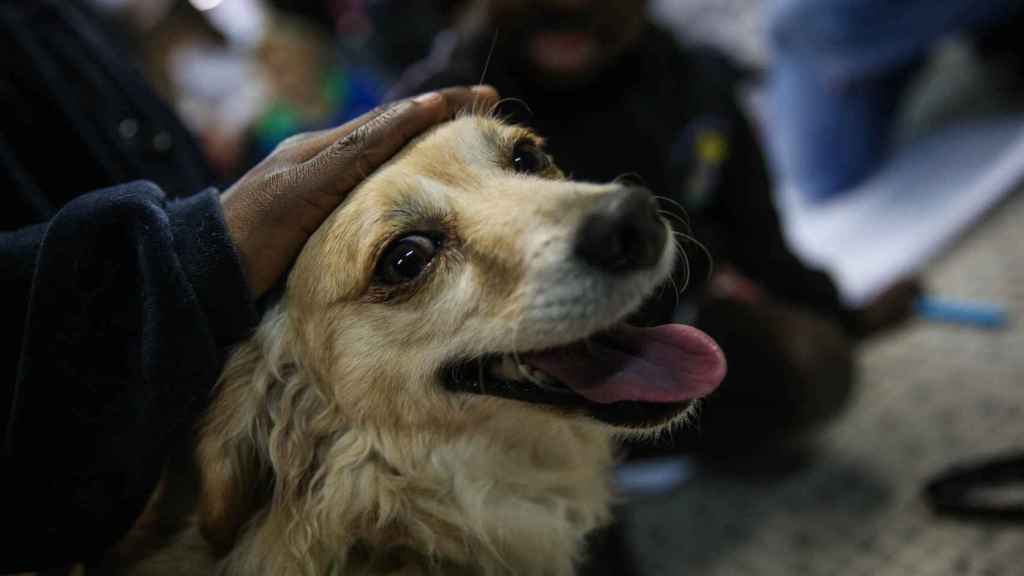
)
(120, 310)
(127, 303)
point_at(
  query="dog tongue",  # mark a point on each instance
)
(669, 363)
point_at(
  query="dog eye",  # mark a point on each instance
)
(528, 158)
(406, 259)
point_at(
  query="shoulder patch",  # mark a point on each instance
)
(697, 158)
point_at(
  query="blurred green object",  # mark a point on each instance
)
(347, 94)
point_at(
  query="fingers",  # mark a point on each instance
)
(307, 145)
(477, 99)
(424, 110)
(346, 162)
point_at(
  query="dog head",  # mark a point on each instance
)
(469, 274)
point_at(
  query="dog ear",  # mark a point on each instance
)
(236, 479)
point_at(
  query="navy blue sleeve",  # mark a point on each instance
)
(120, 310)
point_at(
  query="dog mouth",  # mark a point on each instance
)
(626, 376)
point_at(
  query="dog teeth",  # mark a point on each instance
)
(509, 369)
(532, 374)
(542, 380)
(505, 368)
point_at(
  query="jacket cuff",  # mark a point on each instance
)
(212, 265)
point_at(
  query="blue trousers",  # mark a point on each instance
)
(841, 69)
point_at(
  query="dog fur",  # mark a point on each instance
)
(330, 448)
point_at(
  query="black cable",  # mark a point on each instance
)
(959, 492)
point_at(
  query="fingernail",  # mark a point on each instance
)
(482, 89)
(428, 98)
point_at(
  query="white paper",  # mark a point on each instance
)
(912, 209)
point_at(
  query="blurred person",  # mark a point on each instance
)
(125, 276)
(843, 67)
(246, 74)
(614, 95)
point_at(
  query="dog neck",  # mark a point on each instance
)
(507, 496)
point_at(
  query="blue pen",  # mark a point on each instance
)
(981, 315)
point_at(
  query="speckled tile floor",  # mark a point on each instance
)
(929, 396)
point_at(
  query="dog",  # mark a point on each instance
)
(439, 389)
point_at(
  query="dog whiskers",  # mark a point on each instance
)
(630, 178)
(682, 209)
(662, 287)
(701, 246)
(494, 107)
(515, 338)
(487, 61)
(675, 217)
(677, 290)
(686, 268)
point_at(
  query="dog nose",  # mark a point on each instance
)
(623, 233)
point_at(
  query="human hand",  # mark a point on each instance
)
(892, 307)
(275, 207)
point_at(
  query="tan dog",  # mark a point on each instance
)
(438, 390)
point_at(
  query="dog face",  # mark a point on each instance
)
(469, 276)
